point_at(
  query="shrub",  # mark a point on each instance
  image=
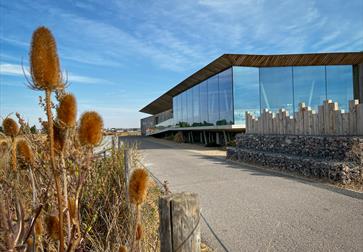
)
(179, 137)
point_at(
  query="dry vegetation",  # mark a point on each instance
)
(56, 194)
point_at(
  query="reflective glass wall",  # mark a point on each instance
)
(286, 87)
(206, 104)
(309, 86)
(246, 94)
(276, 88)
(224, 98)
(339, 80)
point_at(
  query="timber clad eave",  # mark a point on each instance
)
(164, 102)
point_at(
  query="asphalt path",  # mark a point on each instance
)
(246, 208)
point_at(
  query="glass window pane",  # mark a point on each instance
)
(340, 84)
(309, 86)
(276, 88)
(185, 107)
(203, 87)
(225, 98)
(174, 108)
(177, 110)
(213, 100)
(196, 118)
(245, 92)
(190, 106)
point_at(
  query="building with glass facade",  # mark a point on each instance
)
(216, 97)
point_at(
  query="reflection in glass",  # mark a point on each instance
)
(309, 86)
(276, 88)
(213, 100)
(225, 98)
(245, 92)
(196, 101)
(340, 84)
(203, 87)
(184, 107)
(190, 106)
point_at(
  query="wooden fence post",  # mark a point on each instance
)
(118, 142)
(179, 223)
(128, 166)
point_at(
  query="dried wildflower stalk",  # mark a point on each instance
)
(46, 75)
(11, 129)
(138, 187)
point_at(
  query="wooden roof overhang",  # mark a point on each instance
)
(164, 102)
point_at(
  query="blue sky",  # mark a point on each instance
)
(121, 55)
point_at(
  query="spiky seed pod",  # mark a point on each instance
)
(10, 127)
(67, 110)
(72, 207)
(138, 186)
(122, 248)
(139, 231)
(59, 138)
(24, 153)
(52, 222)
(44, 61)
(90, 129)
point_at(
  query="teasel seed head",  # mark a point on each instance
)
(90, 129)
(52, 222)
(138, 186)
(122, 248)
(138, 232)
(44, 62)
(67, 110)
(24, 153)
(10, 127)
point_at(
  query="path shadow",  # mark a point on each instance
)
(256, 170)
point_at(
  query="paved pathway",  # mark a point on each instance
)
(252, 209)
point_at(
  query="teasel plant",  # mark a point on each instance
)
(66, 120)
(11, 129)
(46, 75)
(90, 134)
(138, 187)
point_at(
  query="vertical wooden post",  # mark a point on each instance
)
(179, 223)
(113, 143)
(128, 166)
(225, 137)
(118, 142)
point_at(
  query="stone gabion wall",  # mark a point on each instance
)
(334, 157)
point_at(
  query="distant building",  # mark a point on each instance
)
(213, 101)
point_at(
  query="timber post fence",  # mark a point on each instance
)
(328, 120)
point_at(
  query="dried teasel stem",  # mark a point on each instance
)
(56, 176)
(13, 154)
(66, 202)
(76, 219)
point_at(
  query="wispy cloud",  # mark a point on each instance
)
(11, 69)
(16, 70)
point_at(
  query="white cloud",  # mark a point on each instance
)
(16, 70)
(12, 69)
